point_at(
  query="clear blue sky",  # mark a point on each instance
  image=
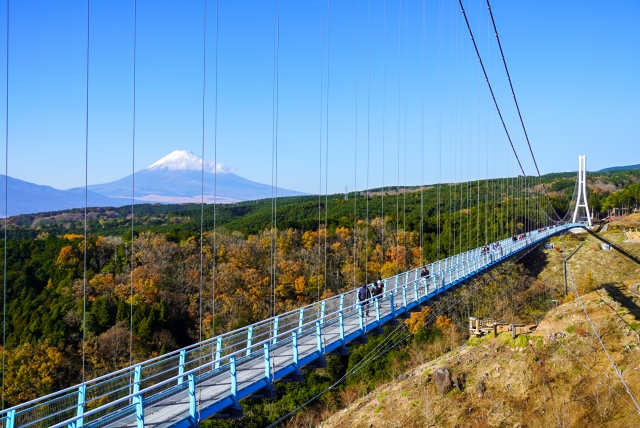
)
(574, 64)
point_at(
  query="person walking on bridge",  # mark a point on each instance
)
(364, 295)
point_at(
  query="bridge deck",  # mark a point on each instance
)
(205, 379)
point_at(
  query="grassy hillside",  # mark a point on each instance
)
(534, 380)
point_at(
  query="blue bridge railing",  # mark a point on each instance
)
(208, 379)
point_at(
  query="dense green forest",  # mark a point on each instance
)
(154, 268)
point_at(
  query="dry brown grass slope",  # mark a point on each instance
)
(558, 377)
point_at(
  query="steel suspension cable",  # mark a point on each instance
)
(274, 154)
(594, 374)
(384, 110)
(486, 76)
(215, 183)
(595, 331)
(366, 246)
(422, 137)
(133, 180)
(438, 190)
(204, 89)
(326, 152)
(404, 184)
(398, 142)
(355, 155)
(319, 261)
(86, 194)
(6, 210)
(515, 100)
(381, 349)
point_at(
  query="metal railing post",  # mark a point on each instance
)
(377, 303)
(404, 295)
(267, 364)
(276, 321)
(82, 391)
(249, 339)
(218, 351)
(11, 419)
(191, 378)
(294, 346)
(301, 320)
(415, 290)
(322, 308)
(137, 399)
(341, 302)
(183, 356)
(319, 336)
(341, 325)
(234, 380)
(361, 317)
(393, 306)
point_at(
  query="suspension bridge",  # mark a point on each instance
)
(209, 379)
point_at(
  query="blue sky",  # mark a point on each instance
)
(574, 65)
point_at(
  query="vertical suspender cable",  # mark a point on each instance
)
(215, 184)
(398, 144)
(86, 193)
(438, 196)
(422, 138)
(320, 152)
(133, 179)
(366, 246)
(6, 211)
(404, 184)
(384, 110)
(274, 155)
(515, 100)
(204, 87)
(504, 125)
(355, 158)
(326, 152)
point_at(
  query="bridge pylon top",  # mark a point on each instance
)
(582, 190)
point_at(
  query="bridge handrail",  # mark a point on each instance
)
(211, 363)
(243, 351)
(510, 245)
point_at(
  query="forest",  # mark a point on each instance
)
(148, 281)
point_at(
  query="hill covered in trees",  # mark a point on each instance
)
(154, 269)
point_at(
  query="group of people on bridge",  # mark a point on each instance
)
(368, 293)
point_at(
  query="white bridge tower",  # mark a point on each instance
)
(582, 189)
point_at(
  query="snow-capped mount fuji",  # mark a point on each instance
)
(178, 178)
(182, 160)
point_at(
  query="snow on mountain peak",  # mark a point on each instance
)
(185, 160)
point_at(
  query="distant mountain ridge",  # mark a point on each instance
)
(26, 198)
(620, 168)
(176, 178)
